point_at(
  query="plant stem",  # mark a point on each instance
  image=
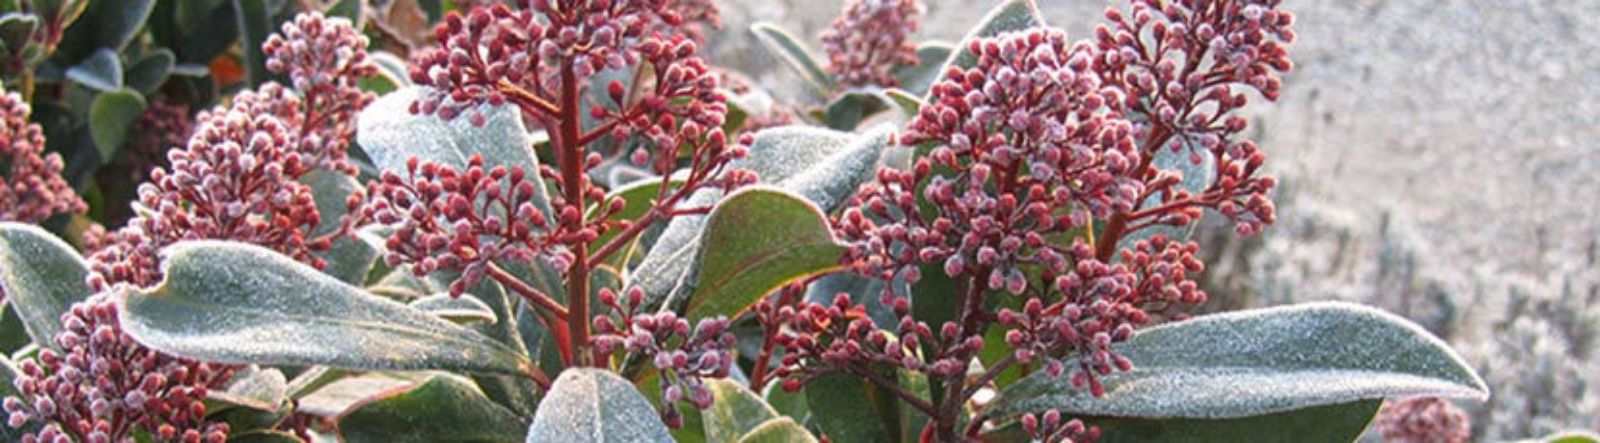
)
(1116, 228)
(971, 321)
(572, 178)
(527, 292)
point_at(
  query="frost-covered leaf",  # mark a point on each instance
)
(237, 303)
(262, 389)
(821, 165)
(778, 430)
(793, 52)
(593, 405)
(442, 409)
(336, 396)
(734, 411)
(264, 436)
(350, 258)
(757, 240)
(1013, 15)
(42, 277)
(638, 195)
(463, 309)
(1338, 422)
(1258, 362)
(390, 134)
(848, 409)
(254, 21)
(930, 65)
(111, 116)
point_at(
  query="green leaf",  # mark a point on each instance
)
(339, 392)
(255, 388)
(758, 240)
(115, 24)
(821, 165)
(43, 277)
(102, 71)
(264, 436)
(258, 306)
(848, 409)
(734, 411)
(593, 405)
(464, 309)
(15, 31)
(111, 116)
(352, 257)
(1259, 362)
(778, 430)
(794, 54)
(150, 72)
(931, 58)
(638, 196)
(1572, 437)
(349, 9)
(1013, 15)
(792, 405)
(443, 409)
(1337, 422)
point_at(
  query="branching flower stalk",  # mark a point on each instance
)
(1039, 193)
(540, 57)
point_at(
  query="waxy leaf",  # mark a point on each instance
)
(848, 409)
(734, 411)
(442, 409)
(758, 240)
(102, 71)
(255, 388)
(42, 277)
(238, 303)
(821, 165)
(254, 24)
(778, 430)
(593, 405)
(151, 71)
(1259, 362)
(390, 134)
(111, 115)
(930, 66)
(791, 51)
(1339, 422)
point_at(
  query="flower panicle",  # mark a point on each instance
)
(870, 39)
(31, 186)
(1423, 419)
(685, 356)
(103, 386)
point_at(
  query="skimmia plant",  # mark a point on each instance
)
(560, 223)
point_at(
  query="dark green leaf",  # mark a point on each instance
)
(786, 47)
(111, 116)
(758, 240)
(255, 24)
(349, 9)
(264, 436)
(15, 31)
(102, 71)
(42, 278)
(443, 409)
(237, 303)
(847, 409)
(1331, 423)
(1258, 362)
(593, 405)
(116, 23)
(150, 72)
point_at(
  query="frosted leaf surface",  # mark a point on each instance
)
(592, 405)
(42, 277)
(1013, 15)
(734, 411)
(238, 303)
(822, 165)
(255, 388)
(1261, 361)
(757, 240)
(778, 430)
(464, 309)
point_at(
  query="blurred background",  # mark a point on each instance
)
(1438, 158)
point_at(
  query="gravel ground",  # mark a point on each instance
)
(1440, 158)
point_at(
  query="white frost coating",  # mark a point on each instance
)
(1261, 361)
(256, 388)
(465, 308)
(1013, 15)
(237, 303)
(592, 405)
(42, 277)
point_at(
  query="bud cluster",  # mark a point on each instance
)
(1423, 420)
(104, 387)
(819, 339)
(695, 18)
(237, 178)
(464, 220)
(31, 187)
(1050, 428)
(870, 39)
(683, 357)
(161, 127)
(1185, 82)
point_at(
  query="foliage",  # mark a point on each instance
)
(557, 222)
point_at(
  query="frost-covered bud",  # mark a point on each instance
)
(1050, 429)
(1423, 419)
(148, 392)
(31, 186)
(685, 357)
(870, 39)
